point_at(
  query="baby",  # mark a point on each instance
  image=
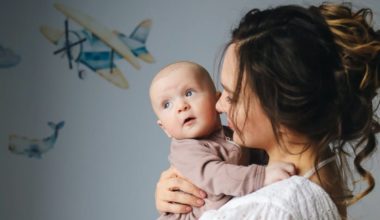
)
(183, 97)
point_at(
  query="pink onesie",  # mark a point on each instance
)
(211, 164)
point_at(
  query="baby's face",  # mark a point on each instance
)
(184, 104)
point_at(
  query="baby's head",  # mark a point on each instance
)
(183, 97)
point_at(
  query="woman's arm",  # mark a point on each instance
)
(176, 194)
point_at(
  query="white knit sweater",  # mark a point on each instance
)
(295, 198)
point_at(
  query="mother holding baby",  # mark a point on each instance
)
(297, 83)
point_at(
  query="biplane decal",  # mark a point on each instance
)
(96, 46)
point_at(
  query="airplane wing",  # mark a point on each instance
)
(52, 34)
(141, 31)
(101, 31)
(115, 77)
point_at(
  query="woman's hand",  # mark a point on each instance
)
(176, 194)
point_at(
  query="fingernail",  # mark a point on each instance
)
(202, 194)
(188, 209)
(200, 202)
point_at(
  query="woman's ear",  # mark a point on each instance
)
(163, 128)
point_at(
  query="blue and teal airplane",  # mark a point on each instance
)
(96, 46)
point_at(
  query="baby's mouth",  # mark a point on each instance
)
(188, 120)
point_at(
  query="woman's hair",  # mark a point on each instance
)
(315, 71)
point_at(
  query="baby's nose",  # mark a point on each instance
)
(183, 106)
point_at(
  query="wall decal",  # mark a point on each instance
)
(96, 46)
(32, 147)
(8, 58)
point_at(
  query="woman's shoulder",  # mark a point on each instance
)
(293, 198)
(284, 194)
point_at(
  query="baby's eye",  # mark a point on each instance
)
(166, 105)
(189, 93)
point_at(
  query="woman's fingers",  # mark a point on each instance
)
(173, 208)
(182, 198)
(177, 195)
(186, 186)
(179, 190)
(175, 181)
(183, 202)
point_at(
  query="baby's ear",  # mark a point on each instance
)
(163, 128)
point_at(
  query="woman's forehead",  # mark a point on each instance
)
(229, 66)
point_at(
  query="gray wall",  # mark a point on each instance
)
(110, 152)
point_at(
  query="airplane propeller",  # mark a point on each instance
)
(67, 42)
(68, 45)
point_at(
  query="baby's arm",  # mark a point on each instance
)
(209, 172)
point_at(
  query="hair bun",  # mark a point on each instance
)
(359, 46)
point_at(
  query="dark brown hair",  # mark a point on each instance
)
(315, 71)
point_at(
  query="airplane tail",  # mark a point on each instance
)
(136, 41)
(141, 31)
(140, 34)
(52, 34)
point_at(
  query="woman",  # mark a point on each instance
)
(298, 83)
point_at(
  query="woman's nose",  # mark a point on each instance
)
(219, 106)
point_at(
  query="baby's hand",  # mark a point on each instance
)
(278, 171)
